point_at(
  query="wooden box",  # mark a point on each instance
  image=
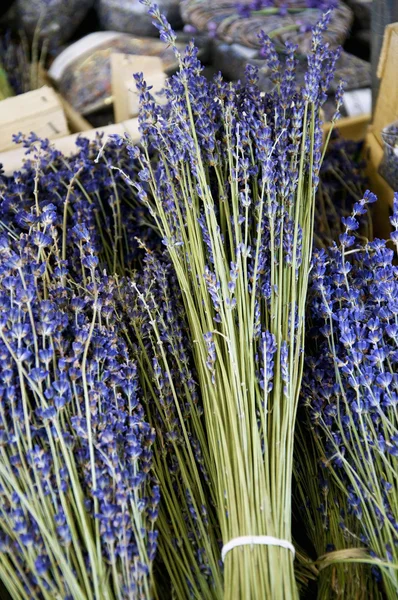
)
(386, 112)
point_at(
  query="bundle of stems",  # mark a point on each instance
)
(350, 388)
(232, 193)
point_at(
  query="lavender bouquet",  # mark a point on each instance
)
(319, 501)
(350, 389)
(88, 189)
(78, 500)
(232, 193)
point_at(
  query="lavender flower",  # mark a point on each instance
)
(97, 196)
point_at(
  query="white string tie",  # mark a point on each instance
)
(256, 540)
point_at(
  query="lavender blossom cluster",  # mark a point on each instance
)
(265, 133)
(100, 196)
(242, 117)
(350, 382)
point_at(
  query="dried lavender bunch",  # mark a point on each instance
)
(155, 328)
(78, 504)
(89, 188)
(283, 21)
(320, 501)
(232, 193)
(353, 411)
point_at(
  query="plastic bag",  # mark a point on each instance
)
(130, 16)
(83, 70)
(55, 20)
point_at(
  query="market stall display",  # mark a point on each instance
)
(198, 304)
(40, 111)
(83, 71)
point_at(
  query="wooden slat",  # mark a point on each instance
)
(74, 119)
(39, 111)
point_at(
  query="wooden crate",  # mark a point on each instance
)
(124, 93)
(386, 112)
(39, 111)
(76, 122)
